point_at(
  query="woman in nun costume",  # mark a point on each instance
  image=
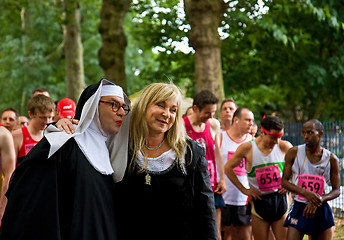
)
(63, 188)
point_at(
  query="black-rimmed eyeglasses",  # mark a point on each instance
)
(116, 106)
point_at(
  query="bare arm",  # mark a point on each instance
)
(221, 186)
(216, 135)
(18, 141)
(239, 154)
(284, 146)
(335, 180)
(287, 172)
(7, 166)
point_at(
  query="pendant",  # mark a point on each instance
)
(148, 179)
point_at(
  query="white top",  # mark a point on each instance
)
(260, 160)
(303, 166)
(158, 164)
(233, 196)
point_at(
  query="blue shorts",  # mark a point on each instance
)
(322, 220)
(218, 199)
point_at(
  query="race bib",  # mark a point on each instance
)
(28, 147)
(240, 169)
(268, 178)
(313, 183)
(212, 173)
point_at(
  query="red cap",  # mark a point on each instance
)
(66, 107)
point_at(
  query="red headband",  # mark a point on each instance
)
(280, 134)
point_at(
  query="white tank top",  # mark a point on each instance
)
(233, 196)
(303, 166)
(260, 162)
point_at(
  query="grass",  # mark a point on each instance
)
(338, 230)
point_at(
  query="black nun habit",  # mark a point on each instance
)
(62, 190)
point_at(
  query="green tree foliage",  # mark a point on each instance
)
(27, 36)
(289, 60)
(156, 25)
(31, 53)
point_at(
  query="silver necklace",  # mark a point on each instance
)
(155, 148)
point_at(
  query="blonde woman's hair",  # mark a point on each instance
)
(175, 136)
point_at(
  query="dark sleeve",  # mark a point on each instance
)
(204, 206)
(32, 208)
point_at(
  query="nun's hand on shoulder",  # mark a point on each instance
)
(66, 124)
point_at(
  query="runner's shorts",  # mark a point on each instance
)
(236, 215)
(322, 220)
(219, 202)
(271, 207)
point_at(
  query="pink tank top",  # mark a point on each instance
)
(205, 140)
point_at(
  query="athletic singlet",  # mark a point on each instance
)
(266, 173)
(309, 172)
(233, 196)
(206, 141)
(28, 144)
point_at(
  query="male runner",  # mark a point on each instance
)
(310, 167)
(41, 111)
(264, 161)
(9, 118)
(236, 217)
(203, 128)
(228, 107)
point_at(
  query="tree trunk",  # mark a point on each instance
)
(73, 49)
(24, 19)
(204, 17)
(112, 53)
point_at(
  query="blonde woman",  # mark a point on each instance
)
(165, 193)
